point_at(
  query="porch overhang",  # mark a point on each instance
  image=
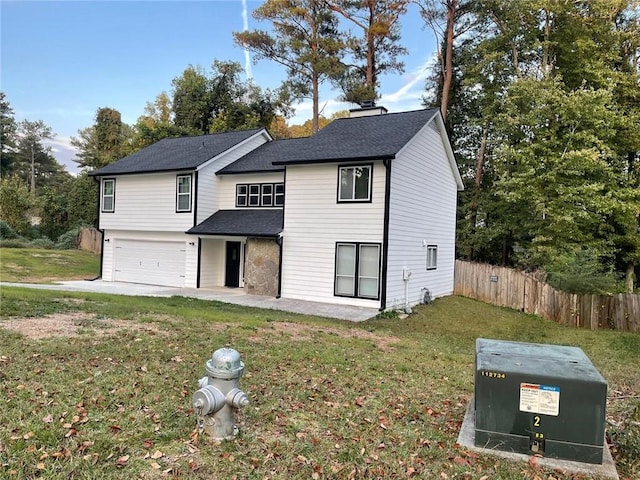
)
(242, 223)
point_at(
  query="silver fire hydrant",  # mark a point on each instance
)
(219, 395)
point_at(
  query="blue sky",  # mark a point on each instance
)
(61, 60)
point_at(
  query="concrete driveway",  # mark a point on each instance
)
(235, 296)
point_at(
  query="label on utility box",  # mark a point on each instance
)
(539, 399)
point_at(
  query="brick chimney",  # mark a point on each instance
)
(367, 108)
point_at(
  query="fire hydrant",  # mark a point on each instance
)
(219, 395)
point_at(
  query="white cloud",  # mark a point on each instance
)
(64, 152)
(247, 55)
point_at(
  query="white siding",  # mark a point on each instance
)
(146, 202)
(212, 265)
(227, 185)
(422, 212)
(111, 238)
(209, 196)
(314, 222)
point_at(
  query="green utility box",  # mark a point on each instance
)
(539, 399)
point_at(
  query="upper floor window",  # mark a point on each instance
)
(354, 183)
(109, 195)
(260, 195)
(432, 257)
(183, 193)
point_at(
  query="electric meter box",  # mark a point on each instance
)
(539, 399)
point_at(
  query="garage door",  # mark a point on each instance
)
(153, 263)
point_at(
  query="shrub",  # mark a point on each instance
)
(42, 242)
(582, 272)
(14, 243)
(6, 232)
(69, 239)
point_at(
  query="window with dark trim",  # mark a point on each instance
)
(183, 193)
(357, 271)
(432, 257)
(354, 183)
(108, 195)
(259, 195)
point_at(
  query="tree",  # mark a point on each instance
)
(82, 201)
(32, 134)
(376, 50)
(218, 103)
(543, 117)
(305, 41)
(192, 105)
(15, 203)
(8, 130)
(107, 140)
(448, 20)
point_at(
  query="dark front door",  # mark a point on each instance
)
(232, 275)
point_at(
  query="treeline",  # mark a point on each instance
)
(543, 109)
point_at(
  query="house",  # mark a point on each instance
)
(362, 213)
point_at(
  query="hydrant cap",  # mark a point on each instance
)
(225, 364)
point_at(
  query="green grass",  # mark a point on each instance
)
(329, 399)
(28, 265)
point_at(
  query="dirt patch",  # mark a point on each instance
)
(73, 325)
(300, 332)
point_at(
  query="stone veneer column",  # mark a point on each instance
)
(262, 258)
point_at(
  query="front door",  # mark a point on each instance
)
(232, 275)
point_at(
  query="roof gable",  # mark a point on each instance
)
(173, 154)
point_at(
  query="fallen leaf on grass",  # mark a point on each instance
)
(122, 461)
(48, 419)
(157, 454)
(155, 465)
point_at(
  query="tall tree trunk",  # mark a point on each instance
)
(33, 170)
(628, 278)
(447, 70)
(315, 96)
(371, 61)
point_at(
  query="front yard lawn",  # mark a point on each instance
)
(28, 265)
(99, 386)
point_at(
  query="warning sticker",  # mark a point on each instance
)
(539, 399)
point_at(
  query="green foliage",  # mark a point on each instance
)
(69, 239)
(15, 203)
(42, 243)
(305, 41)
(6, 232)
(82, 202)
(543, 118)
(19, 242)
(8, 138)
(107, 140)
(582, 272)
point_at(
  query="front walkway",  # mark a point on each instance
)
(236, 296)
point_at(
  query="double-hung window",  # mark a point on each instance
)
(108, 195)
(183, 193)
(432, 257)
(357, 270)
(354, 183)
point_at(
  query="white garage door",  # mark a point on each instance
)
(153, 263)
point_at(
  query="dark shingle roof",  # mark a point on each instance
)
(240, 222)
(171, 154)
(369, 137)
(261, 159)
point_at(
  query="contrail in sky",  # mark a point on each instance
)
(247, 55)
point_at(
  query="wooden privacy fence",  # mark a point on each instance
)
(90, 239)
(507, 287)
